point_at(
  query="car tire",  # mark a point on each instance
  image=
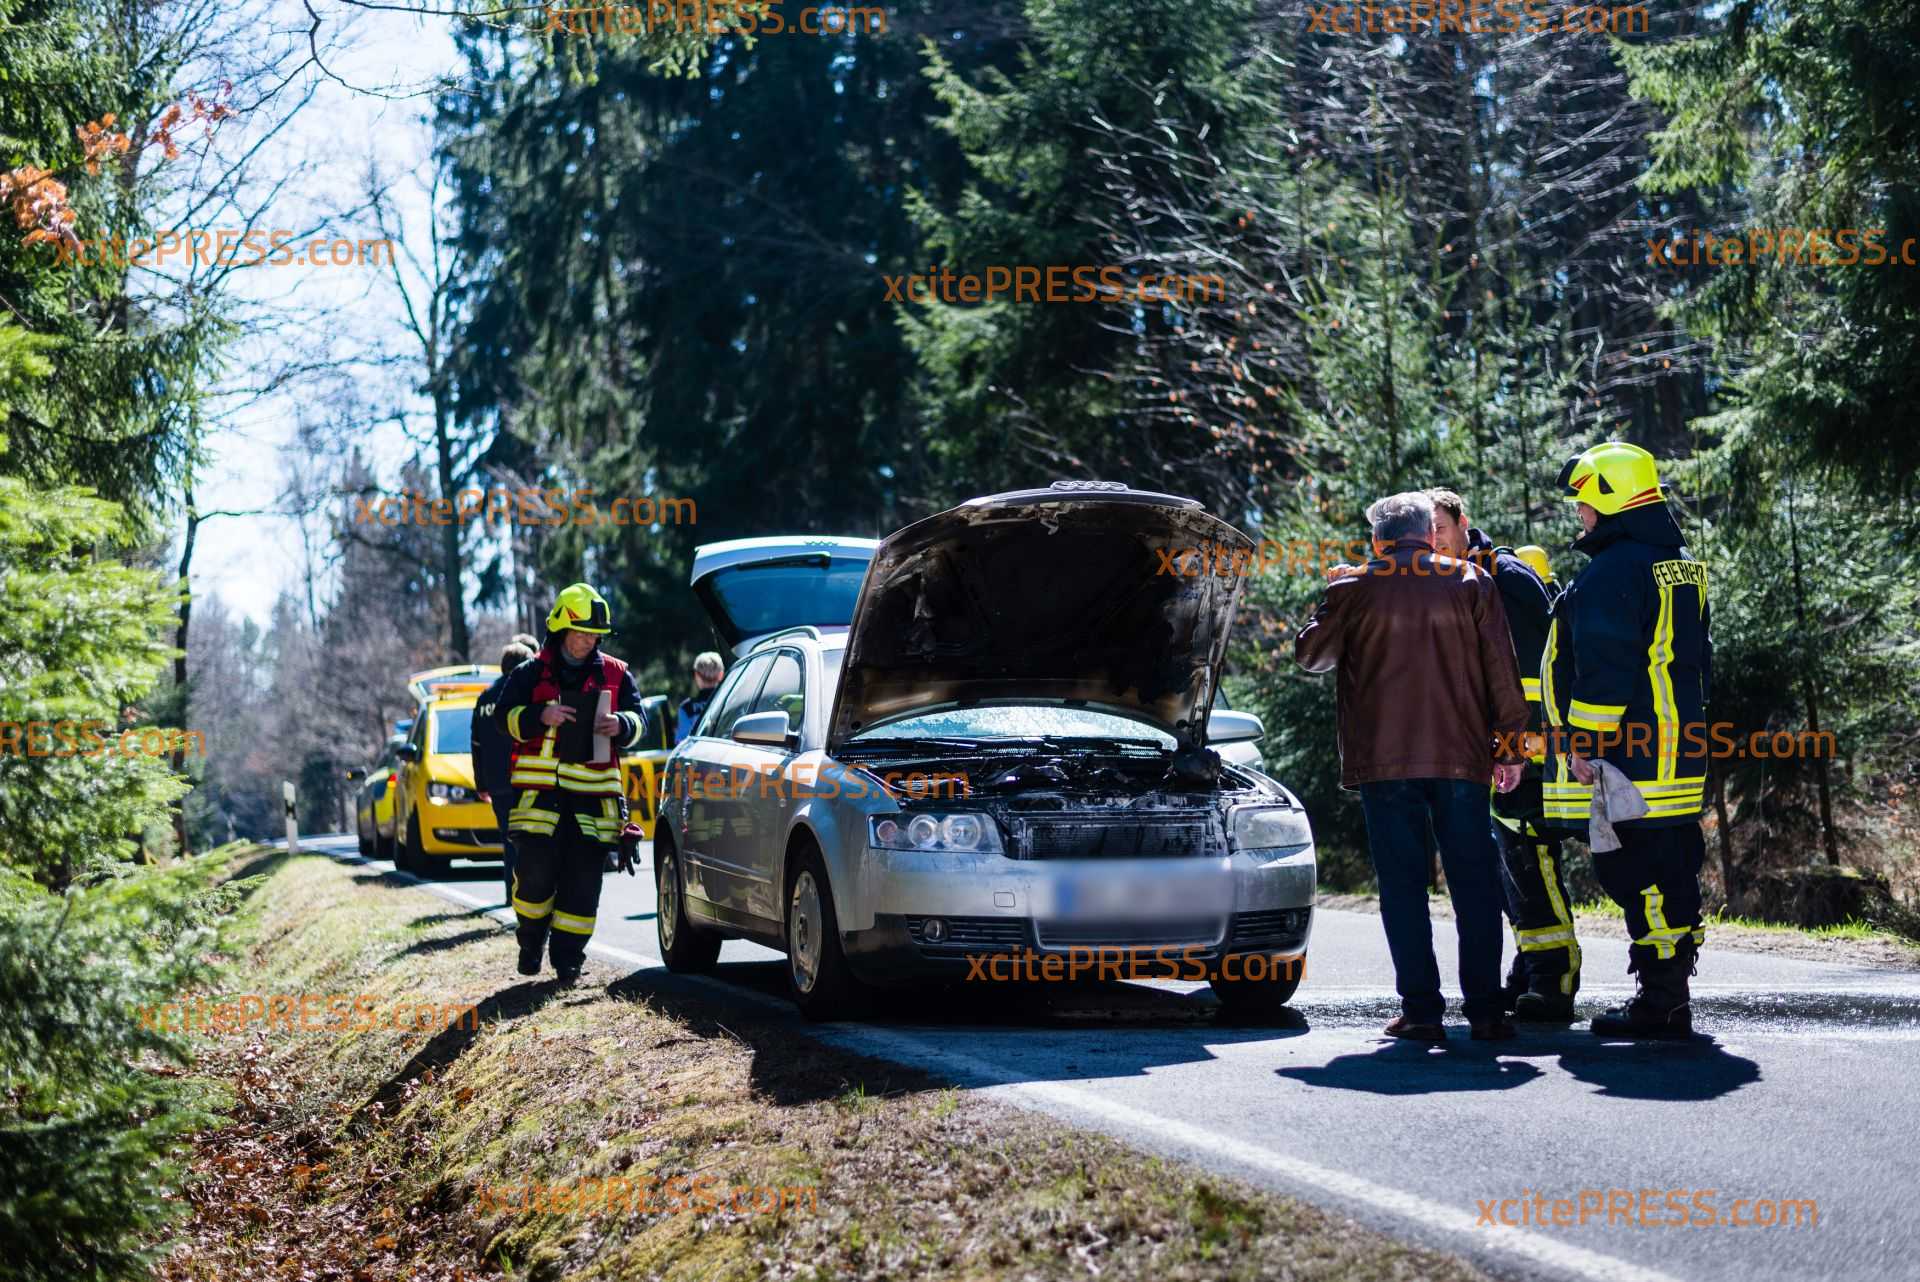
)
(823, 986)
(1258, 997)
(684, 947)
(408, 857)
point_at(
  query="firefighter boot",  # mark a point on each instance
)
(1548, 999)
(1510, 992)
(1662, 1009)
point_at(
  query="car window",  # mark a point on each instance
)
(785, 689)
(453, 730)
(734, 698)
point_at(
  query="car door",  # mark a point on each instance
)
(703, 774)
(758, 818)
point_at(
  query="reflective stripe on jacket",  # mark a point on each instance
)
(543, 679)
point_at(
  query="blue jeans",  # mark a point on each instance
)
(1398, 812)
(502, 803)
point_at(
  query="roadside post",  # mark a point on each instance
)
(293, 822)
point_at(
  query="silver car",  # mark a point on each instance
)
(1002, 749)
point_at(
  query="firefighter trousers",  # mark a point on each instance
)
(1532, 875)
(1655, 878)
(557, 872)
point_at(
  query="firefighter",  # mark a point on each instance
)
(569, 810)
(1626, 676)
(1545, 974)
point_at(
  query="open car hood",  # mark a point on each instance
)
(1048, 597)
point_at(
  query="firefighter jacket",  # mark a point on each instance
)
(1628, 669)
(1529, 606)
(546, 678)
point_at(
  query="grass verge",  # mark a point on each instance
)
(369, 1154)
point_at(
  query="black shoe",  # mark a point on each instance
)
(1544, 1003)
(530, 960)
(567, 975)
(1661, 1011)
(1497, 1029)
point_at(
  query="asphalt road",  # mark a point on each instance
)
(1805, 1090)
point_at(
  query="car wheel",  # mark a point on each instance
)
(824, 986)
(1259, 996)
(684, 947)
(408, 858)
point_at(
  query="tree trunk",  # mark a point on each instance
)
(1810, 684)
(450, 533)
(1729, 875)
(179, 761)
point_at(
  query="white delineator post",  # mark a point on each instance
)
(293, 823)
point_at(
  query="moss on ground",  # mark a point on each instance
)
(363, 1155)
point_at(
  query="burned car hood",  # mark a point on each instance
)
(1058, 596)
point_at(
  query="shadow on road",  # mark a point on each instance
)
(1692, 1070)
(1415, 1068)
(1151, 1028)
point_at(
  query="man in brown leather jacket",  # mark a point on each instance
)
(1428, 693)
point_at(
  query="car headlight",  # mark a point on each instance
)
(962, 832)
(1275, 828)
(449, 792)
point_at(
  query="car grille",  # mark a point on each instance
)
(971, 934)
(1198, 931)
(1279, 926)
(468, 836)
(1107, 837)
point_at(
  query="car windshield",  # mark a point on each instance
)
(1020, 723)
(453, 730)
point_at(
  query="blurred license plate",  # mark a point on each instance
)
(1110, 893)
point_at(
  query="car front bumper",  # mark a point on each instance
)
(991, 905)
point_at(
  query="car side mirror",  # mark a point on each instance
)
(408, 752)
(356, 774)
(1225, 726)
(769, 729)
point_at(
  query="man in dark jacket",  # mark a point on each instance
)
(492, 751)
(1546, 961)
(1428, 693)
(1628, 670)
